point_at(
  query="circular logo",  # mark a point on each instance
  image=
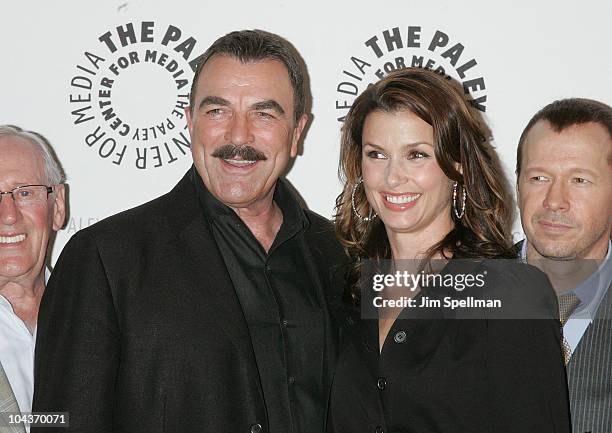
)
(411, 46)
(129, 94)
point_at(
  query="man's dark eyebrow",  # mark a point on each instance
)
(214, 100)
(269, 104)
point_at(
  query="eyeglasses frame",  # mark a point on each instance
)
(50, 189)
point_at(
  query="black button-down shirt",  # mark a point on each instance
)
(281, 305)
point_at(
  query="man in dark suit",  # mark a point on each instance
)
(211, 308)
(564, 185)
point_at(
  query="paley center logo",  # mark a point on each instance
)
(128, 94)
(411, 46)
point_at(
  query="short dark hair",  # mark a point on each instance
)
(254, 45)
(564, 113)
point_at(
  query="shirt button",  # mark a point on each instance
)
(256, 428)
(400, 337)
(291, 380)
(381, 383)
(379, 429)
(285, 323)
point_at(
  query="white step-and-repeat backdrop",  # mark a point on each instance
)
(106, 81)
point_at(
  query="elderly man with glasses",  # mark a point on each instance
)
(32, 208)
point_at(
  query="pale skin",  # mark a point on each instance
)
(245, 104)
(398, 161)
(565, 198)
(25, 299)
(22, 263)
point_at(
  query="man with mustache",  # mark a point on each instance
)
(564, 186)
(211, 308)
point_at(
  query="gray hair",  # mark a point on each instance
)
(53, 168)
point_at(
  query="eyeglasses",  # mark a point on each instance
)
(29, 195)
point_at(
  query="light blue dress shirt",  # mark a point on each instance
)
(590, 292)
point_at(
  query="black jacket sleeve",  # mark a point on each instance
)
(77, 350)
(528, 387)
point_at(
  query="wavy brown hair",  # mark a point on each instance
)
(459, 137)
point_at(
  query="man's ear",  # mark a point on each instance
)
(188, 117)
(297, 133)
(59, 206)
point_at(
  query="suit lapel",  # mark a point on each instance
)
(206, 268)
(8, 403)
(202, 265)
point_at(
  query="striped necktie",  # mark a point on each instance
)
(567, 305)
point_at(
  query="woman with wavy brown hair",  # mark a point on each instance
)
(423, 184)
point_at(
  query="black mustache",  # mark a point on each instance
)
(231, 151)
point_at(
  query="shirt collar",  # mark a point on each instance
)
(592, 290)
(4, 303)
(523, 252)
(294, 218)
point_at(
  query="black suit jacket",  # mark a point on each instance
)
(140, 329)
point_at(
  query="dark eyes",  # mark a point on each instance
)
(414, 154)
(581, 180)
(577, 180)
(264, 115)
(375, 155)
(214, 111)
